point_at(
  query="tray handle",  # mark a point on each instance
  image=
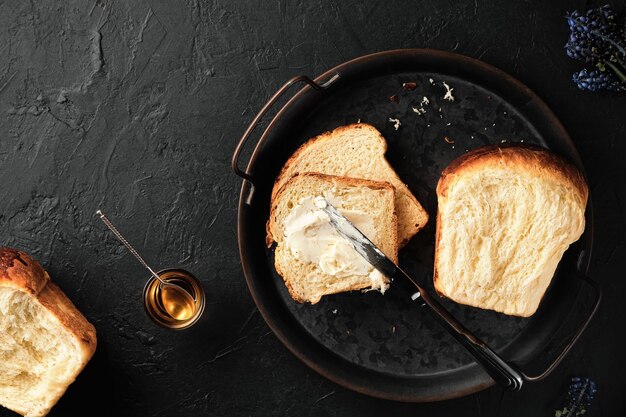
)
(504, 374)
(598, 297)
(282, 90)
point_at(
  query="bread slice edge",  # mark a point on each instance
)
(527, 156)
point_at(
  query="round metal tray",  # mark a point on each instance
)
(385, 346)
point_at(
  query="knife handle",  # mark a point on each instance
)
(503, 373)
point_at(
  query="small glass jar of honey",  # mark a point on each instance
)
(176, 306)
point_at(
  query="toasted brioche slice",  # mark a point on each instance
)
(369, 201)
(44, 340)
(356, 151)
(506, 216)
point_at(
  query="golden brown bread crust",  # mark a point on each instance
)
(326, 136)
(19, 270)
(532, 157)
(64, 310)
(527, 156)
(319, 138)
(436, 285)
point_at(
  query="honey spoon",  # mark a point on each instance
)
(171, 296)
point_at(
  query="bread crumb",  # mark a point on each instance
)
(396, 123)
(448, 96)
(425, 101)
(420, 110)
(358, 121)
(522, 141)
(448, 124)
(503, 140)
(430, 80)
(393, 329)
(335, 311)
(448, 140)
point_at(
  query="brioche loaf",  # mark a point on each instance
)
(506, 216)
(356, 151)
(45, 341)
(311, 256)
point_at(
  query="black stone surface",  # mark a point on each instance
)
(134, 107)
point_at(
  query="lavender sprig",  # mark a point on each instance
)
(596, 80)
(598, 37)
(579, 396)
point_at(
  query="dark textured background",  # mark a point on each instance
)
(134, 107)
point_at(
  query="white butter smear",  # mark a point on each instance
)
(311, 238)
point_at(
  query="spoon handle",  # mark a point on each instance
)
(132, 250)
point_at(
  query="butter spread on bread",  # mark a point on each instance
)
(311, 258)
(311, 238)
(506, 215)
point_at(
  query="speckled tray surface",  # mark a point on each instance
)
(390, 333)
(389, 337)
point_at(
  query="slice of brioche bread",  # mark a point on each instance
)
(506, 216)
(368, 199)
(45, 342)
(356, 151)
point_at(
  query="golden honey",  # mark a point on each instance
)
(174, 307)
(177, 303)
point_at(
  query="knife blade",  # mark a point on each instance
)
(363, 246)
(503, 373)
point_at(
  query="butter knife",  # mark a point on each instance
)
(503, 373)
